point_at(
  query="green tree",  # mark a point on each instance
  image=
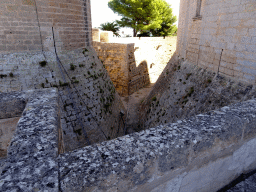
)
(110, 26)
(167, 26)
(142, 15)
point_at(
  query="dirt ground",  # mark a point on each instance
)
(132, 103)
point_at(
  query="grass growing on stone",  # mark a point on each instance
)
(2, 76)
(72, 67)
(78, 131)
(11, 74)
(85, 50)
(42, 63)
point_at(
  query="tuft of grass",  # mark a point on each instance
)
(81, 65)
(2, 76)
(11, 74)
(188, 75)
(209, 80)
(42, 85)
(42, 63)
(72, 67)
(85, 50)
(64, 84)
(78, 131)
(191, 91)
(154, 98)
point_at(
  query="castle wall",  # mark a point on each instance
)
(201, 153)
(222, 40)
(133, 63)
(114, 57)
(35, 145)
(22, 20)
(90, 106)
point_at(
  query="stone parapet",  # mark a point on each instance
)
(202, 153)
(32, 155)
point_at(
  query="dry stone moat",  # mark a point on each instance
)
(63, 124)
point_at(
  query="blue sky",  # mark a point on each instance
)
(102, 14)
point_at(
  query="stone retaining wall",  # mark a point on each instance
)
(90, 106)
(222, 39)
(31, 164)
(135, 62)
(202, 153)
(21, 22)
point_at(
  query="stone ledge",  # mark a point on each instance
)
(211, 149)
(170, 156)
(31, 163)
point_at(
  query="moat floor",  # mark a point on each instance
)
(132, 103)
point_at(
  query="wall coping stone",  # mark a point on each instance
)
(133, 161)
(31, 160)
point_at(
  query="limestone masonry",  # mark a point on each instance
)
(63, 124)
(63, 58)
(222, 38)
(133, 62)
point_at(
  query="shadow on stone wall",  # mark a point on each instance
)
(185, 89)
(138, 76)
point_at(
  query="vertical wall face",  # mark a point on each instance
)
(133, 63)
(20, 22)
(223, 40)
(114, 57)
(90, 107)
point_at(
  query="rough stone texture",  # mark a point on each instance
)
(31, 164)
(7, 129)
(222, 39)
(47, 44)
(90, 107)
(202, 153)
(184, 90)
